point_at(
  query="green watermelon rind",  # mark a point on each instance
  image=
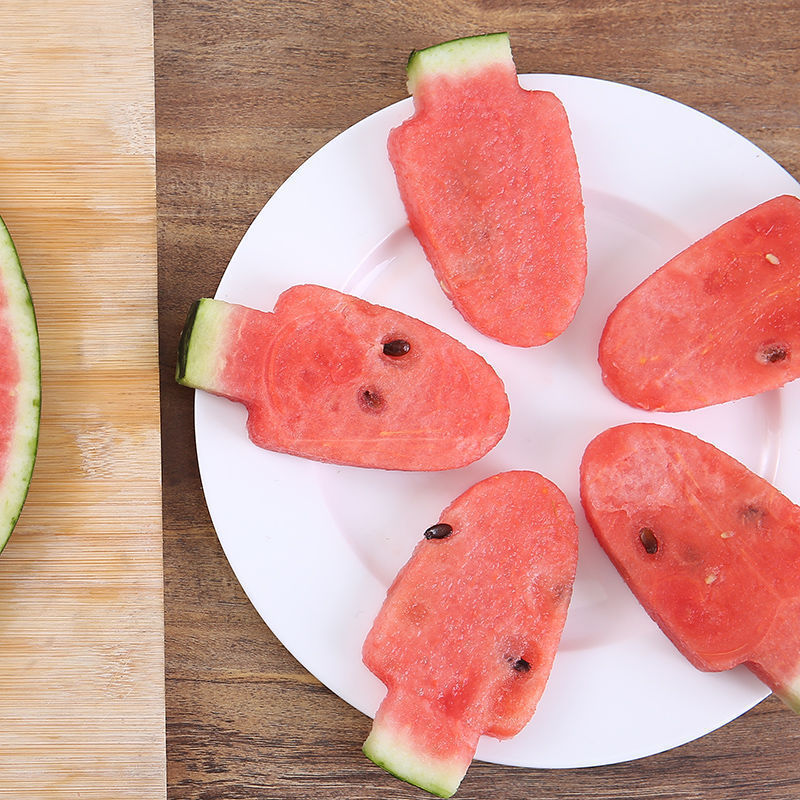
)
(14, 484)
(458, 57)
(388, 749)
(791, 694)
(201, 346)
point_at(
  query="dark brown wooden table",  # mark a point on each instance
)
(246, 90)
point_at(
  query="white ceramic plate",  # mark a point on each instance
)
(315, 546)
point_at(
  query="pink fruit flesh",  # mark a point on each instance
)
(489, 178)
(719, 574)
(718, 322)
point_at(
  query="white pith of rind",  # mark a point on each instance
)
(390, 751)
(20, 315)
(459, 57)
(202, 365)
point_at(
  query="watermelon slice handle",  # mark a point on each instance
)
(183, 345)
(201, 354)
(777, 659)
(459, 57)
(787, 691)
(395, 747)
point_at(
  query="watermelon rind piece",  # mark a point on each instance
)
(458, 57)
(769, 665)
(791, 695)
(20, 318)
(201, 344)
(387, 748)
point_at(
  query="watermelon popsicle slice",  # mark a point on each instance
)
(331, 377)
(468, 632)
(719, 321)
(489, 178)
(709, 549)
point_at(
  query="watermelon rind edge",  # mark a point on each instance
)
(458, 56)
(22, 455)
(200, 344)
(387, 749)
(183, 345)
(791, 695)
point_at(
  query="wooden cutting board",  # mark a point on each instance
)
(81, 609)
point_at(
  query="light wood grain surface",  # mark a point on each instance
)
(81, 588)
(246, 91)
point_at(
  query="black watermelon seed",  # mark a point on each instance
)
(396, 348)
(439, 531)
(773, 353)
(648, 539)
(521, 665)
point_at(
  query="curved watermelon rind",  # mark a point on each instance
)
(386, 748)
(202, 345)
(458, 57)
(15, 481)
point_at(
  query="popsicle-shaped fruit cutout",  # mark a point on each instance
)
(710, 549)
(467, 634)
(718, 322)
(331, 377)
(489, 179)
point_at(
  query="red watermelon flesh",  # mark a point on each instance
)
(489, 179)
(718, 322)
(710, 549)
(318, 382)
(467, 634)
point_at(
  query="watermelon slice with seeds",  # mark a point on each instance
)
(467, 635)
(718, 322)
(489, 178)
(710, 549)
(20, 386)
(331, 377)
